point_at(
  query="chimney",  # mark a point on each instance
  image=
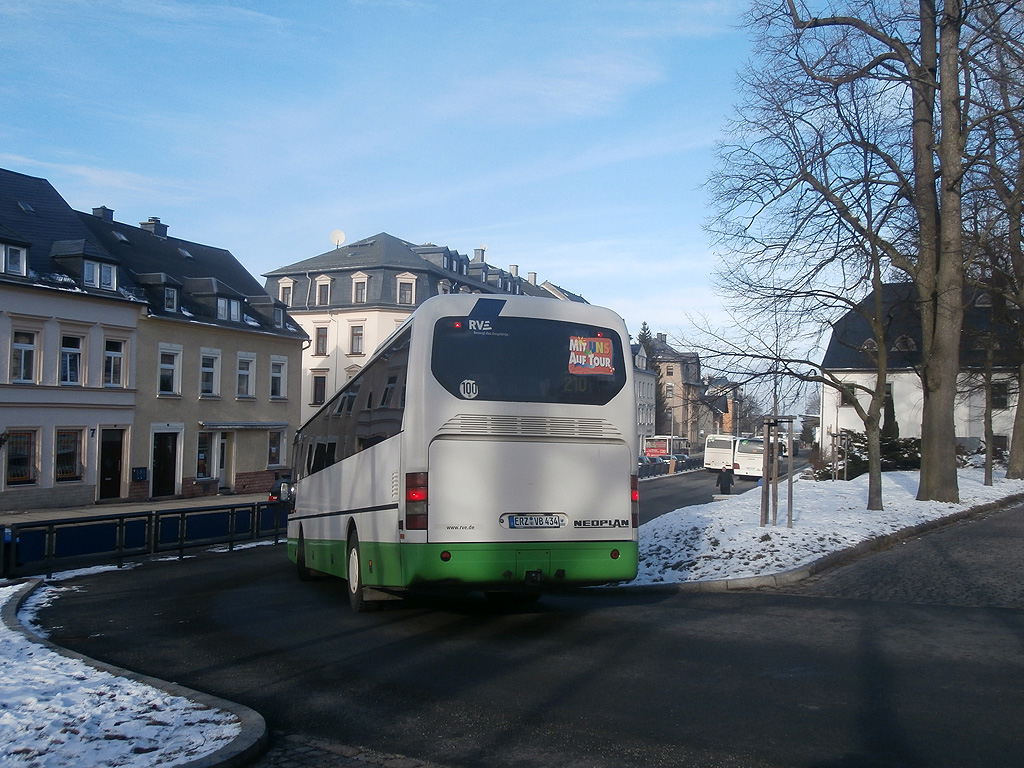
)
(478, 253)
(107, 214)
(513, 270)
(662, 338)
(154, 226)
(531, 278)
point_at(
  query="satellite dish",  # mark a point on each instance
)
(337, 237)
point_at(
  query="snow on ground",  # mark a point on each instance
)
(58, 712)
(724, 539)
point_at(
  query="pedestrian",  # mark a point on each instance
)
(725, 479)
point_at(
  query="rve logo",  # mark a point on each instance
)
(479, 325)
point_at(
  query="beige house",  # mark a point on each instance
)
(133, 365)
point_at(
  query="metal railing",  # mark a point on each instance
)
(32, 547)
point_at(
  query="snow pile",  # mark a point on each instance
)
(59, 711)
(724, 540)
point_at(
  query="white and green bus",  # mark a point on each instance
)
(488, 445)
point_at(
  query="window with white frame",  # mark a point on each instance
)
(22, 446)
(71, 360)
(275, 449)
(98, 275)
(360, 280)
(68, 456)
(320, 340)
(169, 370)
(13, 260)
(356, 340)
(170, 299)
(406, 288)
(209, 372)
(23, 357)
(319, 391)
(246, 375)
(113, 363)
(229, 309)
(278, 377)
(323, 291)
(285, 292)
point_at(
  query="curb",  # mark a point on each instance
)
(825, 562)
(250, 742)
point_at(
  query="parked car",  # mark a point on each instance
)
(281, 493)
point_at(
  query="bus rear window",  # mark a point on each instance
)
(750, 446)
(527, 360)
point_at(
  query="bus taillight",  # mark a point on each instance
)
(634, 497)
(416, 501)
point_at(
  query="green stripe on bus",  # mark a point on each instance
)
(482, 564)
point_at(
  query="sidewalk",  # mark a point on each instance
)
(115, 508)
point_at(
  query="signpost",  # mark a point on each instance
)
(770, 469)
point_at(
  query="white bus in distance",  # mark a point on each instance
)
(719, 452)
(489, 444)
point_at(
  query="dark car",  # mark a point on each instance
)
(281, 492)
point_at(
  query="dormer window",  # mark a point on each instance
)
(904, 343)
(170, 299)
(12, 259)
(284, 288)
(360, 280)
(98, 275)
(229, 309)
(278, 317)
(407, 288)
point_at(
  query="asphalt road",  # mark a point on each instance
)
(666, 493)
(910, 657)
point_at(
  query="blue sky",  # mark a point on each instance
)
(572, 138)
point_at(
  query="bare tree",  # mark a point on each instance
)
(852, 146)
(996, 226)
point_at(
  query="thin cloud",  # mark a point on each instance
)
(577, 87)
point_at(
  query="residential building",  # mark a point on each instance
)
(349, 299)
(680, 390)
(177, 372)
(68, 342)
(851, 357)
(645, 382)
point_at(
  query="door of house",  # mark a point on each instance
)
(111, 458)
(165, 463)
(227, 469)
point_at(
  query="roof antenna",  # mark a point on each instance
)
(337, 237)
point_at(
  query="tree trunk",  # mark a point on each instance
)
(940, 287)
(1015, 464)
(873, 434)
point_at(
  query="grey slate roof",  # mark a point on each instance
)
(383, 257)
(904, 334)
(381, 250)
(34, 215)
(58, 238)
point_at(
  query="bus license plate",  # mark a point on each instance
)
(535, 521)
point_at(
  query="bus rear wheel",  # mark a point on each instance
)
(355, 576)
